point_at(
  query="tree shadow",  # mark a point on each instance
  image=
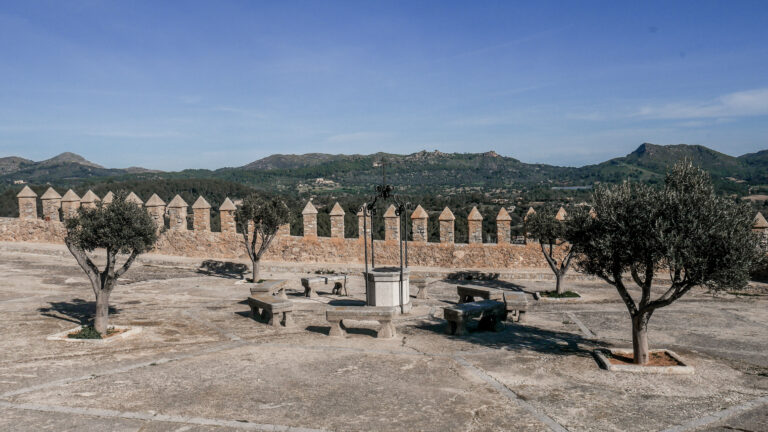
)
(518, 337)
(78, 311)
(472, 275)
(224, 269)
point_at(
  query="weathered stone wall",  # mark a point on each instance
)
(312, 249)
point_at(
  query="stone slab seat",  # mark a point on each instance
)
(422, 283)
(467, 293)
(492, 314)
(270, 287)
(310, 283)
(268, 308)
(517, 304)
(383, 314)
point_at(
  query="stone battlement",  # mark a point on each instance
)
(200, 241)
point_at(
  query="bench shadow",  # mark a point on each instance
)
(224, 269)
(518, 337)
(319, 329)
(77, 311)
(325, 330)
(494, 283)
(346, 302)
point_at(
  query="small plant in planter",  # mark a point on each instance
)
(550, 229)
(259, 219)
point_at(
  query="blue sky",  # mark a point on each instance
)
(183, 84)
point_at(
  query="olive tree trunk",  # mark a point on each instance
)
(640, 338)
(101, 318)
(256, 263)
(558, 288)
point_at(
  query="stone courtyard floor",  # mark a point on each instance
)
(201, 364)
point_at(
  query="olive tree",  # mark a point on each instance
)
(682, 228)
(550, 233)
(259, 219)
(120, 227)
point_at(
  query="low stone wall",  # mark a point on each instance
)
(310, 249)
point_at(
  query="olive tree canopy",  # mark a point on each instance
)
(120, 227)
(550, 232)
(259, 219)
(683, 228)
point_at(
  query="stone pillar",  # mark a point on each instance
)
(108, 198)
(475, 226)
(561, 214)
(419, 219)
(156, 209)
(309, 214)
(528, 213)
(227, 216)
(391, 224)
(361, 225)
(89, 200)
(51, 205)
(446, 219)
(284, 230)
(337, 221)
(70, 202)
(759, 224)
(177, 213)
(133, 198)
(201, 215)
(503, 227)
(27, 203)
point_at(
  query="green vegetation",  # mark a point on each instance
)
(684, 227)
(85, 332)
(119, 228)
(564, 294)
(550, 232)
(259, 219)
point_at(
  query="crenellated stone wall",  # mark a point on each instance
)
(201, 242)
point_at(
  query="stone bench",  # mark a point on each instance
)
(517, 304)
(309, 284)
(492, 314)
(384, 315)
(422, 283)
(467, 293)
(267, 308)
(270, 287)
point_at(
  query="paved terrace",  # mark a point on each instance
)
(201, 364)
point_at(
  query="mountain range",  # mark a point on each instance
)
(417, 172)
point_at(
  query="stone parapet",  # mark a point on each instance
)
(475, 226)
(177, 214)
(309, 216)
(201, 215)
(391, 224)
(419, 220)
(27, 203)
(337, 221)
(446, 220)
(51, 205)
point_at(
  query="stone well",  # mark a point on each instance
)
(383, 288)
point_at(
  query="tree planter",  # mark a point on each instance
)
(126, 333)
(604, 359)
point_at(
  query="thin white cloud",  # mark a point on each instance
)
(739, 104)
